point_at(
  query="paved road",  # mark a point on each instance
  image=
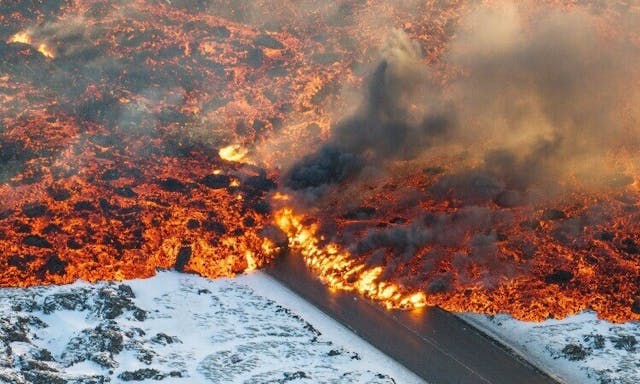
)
(433, 343)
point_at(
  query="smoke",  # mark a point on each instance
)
(539, 109)
(545, 99)
(542, 105)
(386, 126)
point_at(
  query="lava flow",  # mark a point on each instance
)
(337, 269)
(478, 156)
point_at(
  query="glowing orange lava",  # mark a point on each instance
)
(339, 270)
(145, 135)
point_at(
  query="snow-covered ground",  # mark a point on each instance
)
(178, 328)
(577, 350)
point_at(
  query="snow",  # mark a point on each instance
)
(181, 328)
(578, 349)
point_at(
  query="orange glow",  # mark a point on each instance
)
(25, 38)
(45, 50)
(337, 269)
(233, 152)
(21, 37)
(164, 149)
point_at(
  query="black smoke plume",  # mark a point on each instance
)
(384, 128)
(540, 101)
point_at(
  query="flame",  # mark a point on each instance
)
(20, 37)
(337, 269)
(46, 51)
(25, 38)
(251, 261)
(234, 152)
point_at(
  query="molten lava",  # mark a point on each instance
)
(339, 270)
(120, 125)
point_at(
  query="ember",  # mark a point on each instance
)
(476, 157)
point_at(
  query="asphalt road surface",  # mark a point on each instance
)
(433, 343)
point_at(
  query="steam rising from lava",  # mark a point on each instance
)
(541, 106)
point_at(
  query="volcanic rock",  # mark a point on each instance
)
(574, 352)
(267, 41)
(606, 235)
(360, 213)
(23, 227)
(83, 205)
(255, 56)
(216, 181)
(262, 207)
(98, 344)
(111, 174)
(52, 228)
(164, 339)
(74, 244)
(260, 183)
(36, 241)
(635, 307)
(6, 214)
(630, 246)
(559, 277)
(59, 194)
(34, 210)
(220, 31)
(509, 199)
(626, 342)
(70, 301)
(596, 341)
(249, 221)
(173, 185)
(182, 259)
(215, 226)
(553, 214)
(20, 262)
(125, 192)
(43, 377)
(193, 224)
(53, 265)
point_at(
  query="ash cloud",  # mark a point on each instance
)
(540, 100)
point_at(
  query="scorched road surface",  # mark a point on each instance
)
(432, 343)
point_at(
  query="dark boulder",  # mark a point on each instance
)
(173, 185)
(559, 277)
(36, 241)
(553, 214)
(635, 306)
(574, 352)
(183, 258)
(125, 192)
(54, 265)
(59, 194)
(360, 213)
(216, 181)
(34, 210)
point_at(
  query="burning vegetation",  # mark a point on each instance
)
(476, 157)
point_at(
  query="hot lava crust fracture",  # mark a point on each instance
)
(418, 153)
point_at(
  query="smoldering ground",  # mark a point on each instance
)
(541, 108)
